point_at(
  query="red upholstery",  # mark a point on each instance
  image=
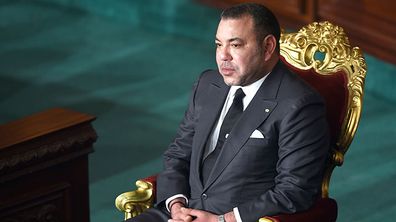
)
(153, 180)
(334, 90)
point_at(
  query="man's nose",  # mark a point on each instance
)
(225, 54)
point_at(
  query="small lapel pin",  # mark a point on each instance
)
(226, 135)
(266, 110)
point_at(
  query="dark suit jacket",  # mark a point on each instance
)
(281, 173)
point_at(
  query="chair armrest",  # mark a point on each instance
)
(135, 202)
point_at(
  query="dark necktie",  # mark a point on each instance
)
(232, 116)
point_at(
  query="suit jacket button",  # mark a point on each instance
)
(204, 196)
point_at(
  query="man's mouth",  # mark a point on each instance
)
(227, 70)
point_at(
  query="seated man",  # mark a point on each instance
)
(254, 139)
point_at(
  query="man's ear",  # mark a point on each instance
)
(269, 46)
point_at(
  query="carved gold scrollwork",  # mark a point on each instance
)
(301, 49)
(135, 202)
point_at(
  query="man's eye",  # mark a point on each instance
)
(236, 45)
(218, 45)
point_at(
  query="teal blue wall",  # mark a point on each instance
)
(183, 17)
(381, 78)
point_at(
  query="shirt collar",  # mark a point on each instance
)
(249, 90)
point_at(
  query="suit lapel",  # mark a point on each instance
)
(254, 115)
(216, 95)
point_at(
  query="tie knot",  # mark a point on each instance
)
(239, 94)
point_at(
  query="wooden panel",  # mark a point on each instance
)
(383, 9)
(44, 167)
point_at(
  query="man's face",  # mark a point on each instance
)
(239, 56)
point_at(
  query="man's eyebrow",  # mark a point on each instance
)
(231, 40)
(235, 39)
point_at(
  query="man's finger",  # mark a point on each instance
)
(186, 210)
(188, 218)
(194, 212)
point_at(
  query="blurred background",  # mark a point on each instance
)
(132, 63)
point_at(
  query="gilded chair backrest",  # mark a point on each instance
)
(321, 54)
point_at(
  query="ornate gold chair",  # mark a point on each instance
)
(321, 54)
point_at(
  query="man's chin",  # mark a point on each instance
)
(230, 81)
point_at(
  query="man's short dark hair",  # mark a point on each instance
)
(265, 22)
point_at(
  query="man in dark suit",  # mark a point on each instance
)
(254, 139)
